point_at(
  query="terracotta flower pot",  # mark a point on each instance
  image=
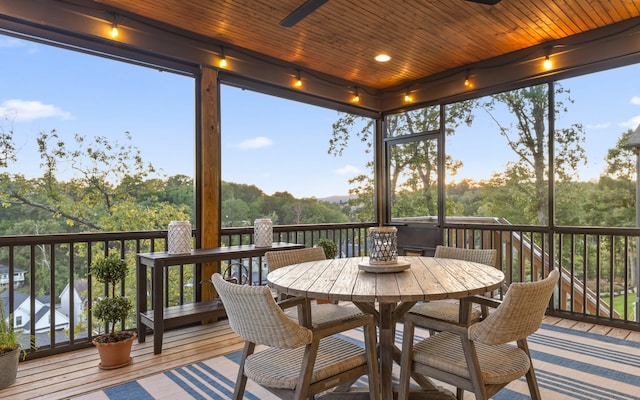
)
(9, 367)
(115, 354)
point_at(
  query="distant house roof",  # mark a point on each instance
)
(4, 269)
(18, 298)
(42, 312)
(80, 286)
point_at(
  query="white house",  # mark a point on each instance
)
(22, 314)
(18, 276)
(79, 299)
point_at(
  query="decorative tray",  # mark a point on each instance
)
(383, 268)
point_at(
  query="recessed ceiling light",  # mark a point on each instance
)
(383, 57)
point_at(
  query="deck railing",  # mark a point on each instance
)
(597, 266)
(54, 306)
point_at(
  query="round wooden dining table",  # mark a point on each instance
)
(386, 295)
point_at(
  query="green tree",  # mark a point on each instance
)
(235, 212)
(361, 186)
(507, 196)
(416, 160)
(178, 190)
(572, 203)
(613, 202)
(527, 136)
(621, 160)
(111, 189)
(7, 147)
(464, 198)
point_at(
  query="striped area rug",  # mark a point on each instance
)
(569, 364)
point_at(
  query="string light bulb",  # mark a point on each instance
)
(298, 82)
(114, 27)
(114, 30)
(223, 59)
(547, 63)
(467, 81)
(407, 97)
(356, 97)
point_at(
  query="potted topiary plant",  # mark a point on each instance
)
(10, 349)
(114, 347)
(329, 246)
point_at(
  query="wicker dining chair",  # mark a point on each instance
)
(297, 362)
(480, 358)
(448, 310)
(320, 314)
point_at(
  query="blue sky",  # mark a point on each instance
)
(45, 88)
(281, 145)
(276, 144)
(606, 104)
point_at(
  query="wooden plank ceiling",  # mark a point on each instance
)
(423, 38)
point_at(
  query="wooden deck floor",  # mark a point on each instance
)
(74, 373)
(71, 374)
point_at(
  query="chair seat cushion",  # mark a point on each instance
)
(499, 364)
(326, 313)
(280, 368)
(446, 310)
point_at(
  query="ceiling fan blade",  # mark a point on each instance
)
(487, 2)
(299, 13)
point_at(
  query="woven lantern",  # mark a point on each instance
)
(179, 237)
(263, 232)
(383, 245)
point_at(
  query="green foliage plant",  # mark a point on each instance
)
(329, 246)
(9, 337)
(112, 309)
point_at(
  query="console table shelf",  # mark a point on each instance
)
(186, 314)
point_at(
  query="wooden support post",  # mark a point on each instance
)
(210, 177)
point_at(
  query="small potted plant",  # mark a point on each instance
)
(10, 349)
(329, 246)
(114, 347)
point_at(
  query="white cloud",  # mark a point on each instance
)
(631, 123)
(601, 125)
(14, 43)
(22, 110)
(255, 143)
(635, 100)
(9, 42)
(347, 170)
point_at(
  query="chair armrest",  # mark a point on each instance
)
(292, 302)
(436, 324)
(304, 308)
(485, 301)
(342, 326)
